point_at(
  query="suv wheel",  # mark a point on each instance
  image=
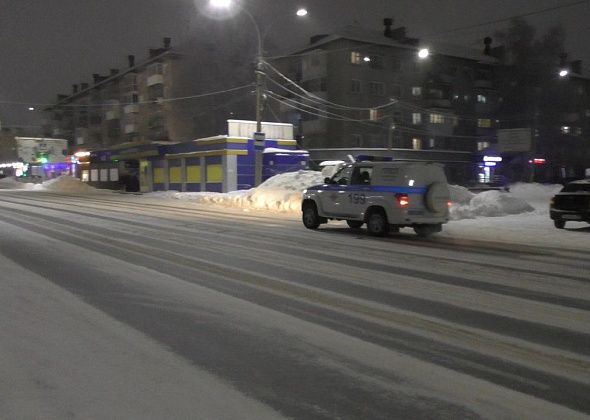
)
(559, 224)
(377, 224)
(310, 216)
(354, 224)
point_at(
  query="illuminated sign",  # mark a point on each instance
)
(539, 161)
(492, 159)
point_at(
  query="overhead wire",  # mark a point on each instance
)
(108, 104)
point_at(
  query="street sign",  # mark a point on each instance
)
(259, 136)
(514, 140)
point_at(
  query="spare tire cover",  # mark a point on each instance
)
(437, 197)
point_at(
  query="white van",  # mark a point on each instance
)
(384, 195)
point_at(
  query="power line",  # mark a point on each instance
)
(491, 22)
(107, 104)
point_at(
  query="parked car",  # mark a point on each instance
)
(384, 195)
(572, 203)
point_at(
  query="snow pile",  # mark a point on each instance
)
(13, 184)
(537, 195)
(279, 193)
(467, 205)
(66, 184)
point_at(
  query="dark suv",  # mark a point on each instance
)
(571, 203)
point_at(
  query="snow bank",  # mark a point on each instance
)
(66, 184)
(537, 195)
(14, 184)
(279, 193)
(467, 205)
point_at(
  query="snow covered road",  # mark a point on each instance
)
(122, 306)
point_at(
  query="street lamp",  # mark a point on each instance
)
(423, 53)
(259, 136)
(563, 73)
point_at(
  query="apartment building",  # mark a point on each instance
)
(446, 100)
(123, 106)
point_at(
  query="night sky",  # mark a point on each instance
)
(48, 45)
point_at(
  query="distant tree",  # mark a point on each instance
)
(530, 54)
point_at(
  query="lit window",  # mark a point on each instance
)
(416, 91)
(416, 118)
(437, 119)
(416, 144)
(377, 88)
(355, 57)
(484, 122)
(565, 129)
(355, 86)
(481, 145)
(482, 99)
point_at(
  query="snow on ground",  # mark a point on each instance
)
(519, 216)
(11, 183)
(65, 184)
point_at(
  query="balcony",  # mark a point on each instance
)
(111, 115)
(131, 109)
(438, 103)
(130, 128)
(155, 79)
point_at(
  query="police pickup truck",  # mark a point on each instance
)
(384, 195)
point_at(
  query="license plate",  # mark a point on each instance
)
(571, 217)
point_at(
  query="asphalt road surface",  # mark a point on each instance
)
(115, 306)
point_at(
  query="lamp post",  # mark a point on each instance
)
(259, 135)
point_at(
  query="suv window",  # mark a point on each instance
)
(362, 175)
(342, 177)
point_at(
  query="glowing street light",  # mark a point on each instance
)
(31, 108)
(423, 53)
(258, 136)
(563, 73)
(221, 4)
(367, 59)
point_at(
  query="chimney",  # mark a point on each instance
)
(131, 59)
(114, 71)
(83, 86)
(167, 42)
(317, 38)
(576, 66)
(399, 34)
(563, 59)
(387, 22)
(487, 42)
(74, 89)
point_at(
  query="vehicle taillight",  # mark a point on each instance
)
(403, 199)
(449, 204)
